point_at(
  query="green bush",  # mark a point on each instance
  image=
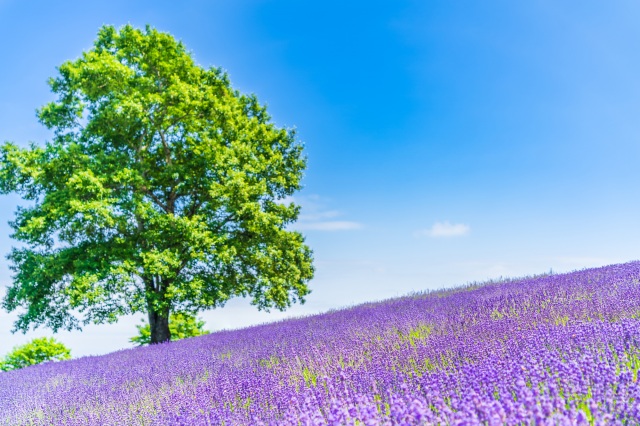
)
(35, 352)
(181, 326)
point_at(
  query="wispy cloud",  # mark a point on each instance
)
(318, 215)
(330, 225)
(445, 230)
(315, 216)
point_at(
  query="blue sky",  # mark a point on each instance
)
(447, 142)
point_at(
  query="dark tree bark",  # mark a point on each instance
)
(159, 322)
(158, 313)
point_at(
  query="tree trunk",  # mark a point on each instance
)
(158, 313)
(159, 323)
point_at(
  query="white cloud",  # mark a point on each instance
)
(315, 216)
(332, 225)
(445, 230)
(319, 215)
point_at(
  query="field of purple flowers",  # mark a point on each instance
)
(556, 349)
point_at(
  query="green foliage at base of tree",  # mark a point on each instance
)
(35, 352)
(181, 325)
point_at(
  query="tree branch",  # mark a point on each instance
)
(165, 146)
(155, 199)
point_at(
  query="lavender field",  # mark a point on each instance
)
(556, 349)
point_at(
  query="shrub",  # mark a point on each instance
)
(35, 352)
(181, 326)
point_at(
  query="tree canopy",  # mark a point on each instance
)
(162, 190)
(35, 352)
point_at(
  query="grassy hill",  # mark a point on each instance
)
(555, 349)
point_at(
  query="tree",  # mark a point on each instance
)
(181, 326)
(162, 190)
(35, 352)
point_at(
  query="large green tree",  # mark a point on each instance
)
(162, 190)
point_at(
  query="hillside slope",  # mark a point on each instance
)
(557, 349)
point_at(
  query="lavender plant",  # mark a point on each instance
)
(555, 349)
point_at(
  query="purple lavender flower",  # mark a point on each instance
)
(558, 349)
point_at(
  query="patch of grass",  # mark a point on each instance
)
(270, 363)
(416, 334)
